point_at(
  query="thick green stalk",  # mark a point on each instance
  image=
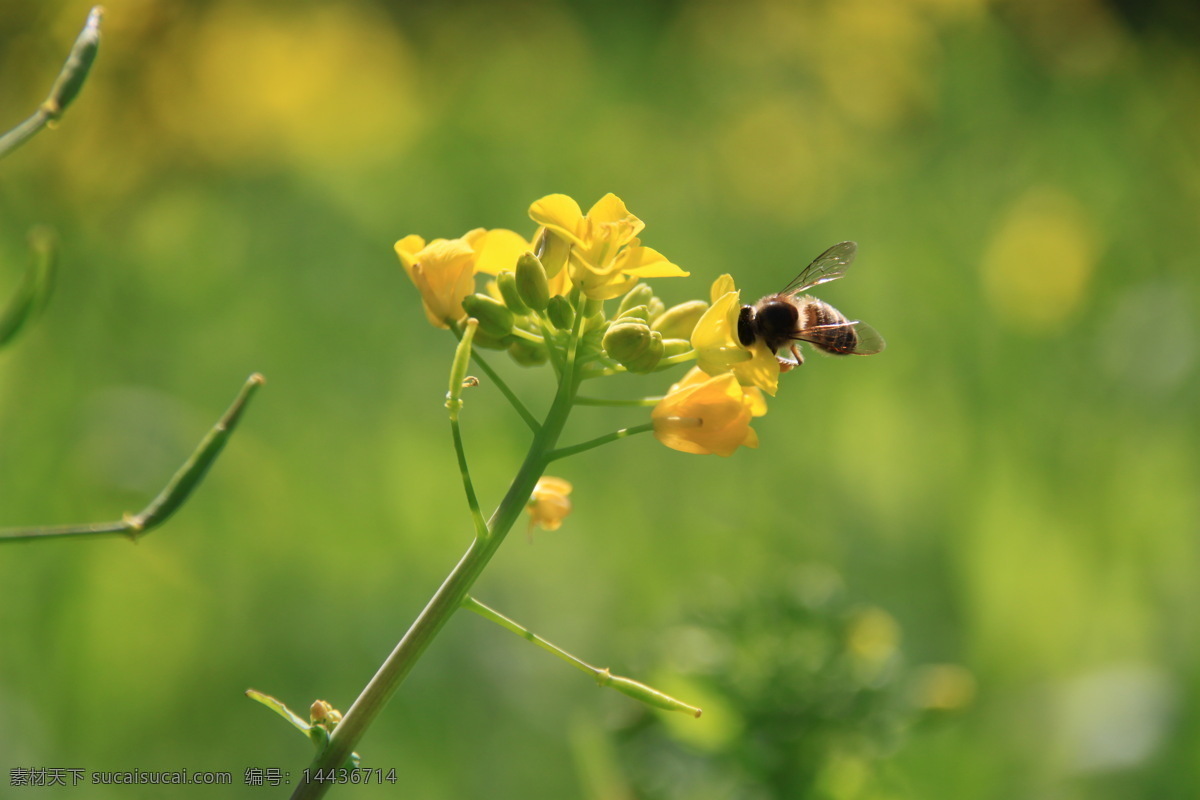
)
(453, 591)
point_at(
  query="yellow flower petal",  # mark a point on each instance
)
(444, 273)
(606, 258)
(549, 503)
(714, 337)
(498, 250)
(559, 213)
(721, 286)
(761, 371)
(703, 415)
(611, 209)
(646, 262)
(407, 248)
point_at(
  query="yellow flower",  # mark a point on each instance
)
(444, 270)
(606, 257)
(718, 349)
(549, 503)
(703, 415)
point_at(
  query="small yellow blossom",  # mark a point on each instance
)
(718, 349)
(549, 503)
(703, 414)
(444, 270)
(606, 257)
(323, 714)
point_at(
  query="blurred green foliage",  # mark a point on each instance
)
(1014, 480)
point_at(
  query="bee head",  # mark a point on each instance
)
(745, 326)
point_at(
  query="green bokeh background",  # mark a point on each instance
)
(1014, 481)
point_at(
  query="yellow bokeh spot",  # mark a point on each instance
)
(888, 80)
(333, 87)
(780, 161)
(1040, 260)
(873, 636)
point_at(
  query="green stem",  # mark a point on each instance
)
(527, 336)
(70, 80)
(34, 290)
(481, 528)
(453, 591)
(528, 418)
(471, 604)
(678, 358)
(553, 353)
(173, 495)
(602, 676)
(600, 401)
(563, 452)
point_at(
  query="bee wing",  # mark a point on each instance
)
(844, 338)
(829, 266)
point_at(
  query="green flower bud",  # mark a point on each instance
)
(676, 347)
(626, 338)
(490, 341)
(637, 312)
(531, 282)
(646, 694)
(527, 353)
(506, 282)
(631, 343)
(560, 312)
(678, 321)
(494, 317)
(649, 359)
(637, 296)
(657, 307)
(552, 250)
(458, 368)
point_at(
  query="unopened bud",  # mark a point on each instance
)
(526, 353)
(657, 307)
(531, 282)
(323, 714)
(649, 359)
(552, 250)
(676, 347)
(494, 317)
(637, 296)
(506, 282)
(648, 695)
(560, 312)
(632, 344)
(678, 322)
(458, 368)
(636, 312)
(490, 341)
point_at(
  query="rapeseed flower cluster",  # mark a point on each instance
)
(543, 300)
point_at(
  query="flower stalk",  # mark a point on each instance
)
(602, 675)
(451, 595)
(173, 495)
(66, 87)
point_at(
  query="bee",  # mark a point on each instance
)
(788, 317)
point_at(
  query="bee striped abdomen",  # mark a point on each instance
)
(827, 328)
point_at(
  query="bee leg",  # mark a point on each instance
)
(787, 364)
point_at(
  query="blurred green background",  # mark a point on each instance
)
(1011, 488)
